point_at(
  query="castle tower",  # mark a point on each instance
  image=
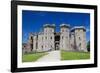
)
(30, 43)
(40, 42)
(64, 37)
(49, 37)
(35, 42)
(80, 38)
(72, 41)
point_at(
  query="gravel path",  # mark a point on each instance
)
(52, 56)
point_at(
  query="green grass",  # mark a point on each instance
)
(32, 57)
(74, 55)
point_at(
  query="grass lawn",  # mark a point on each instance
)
(74, 55)
(32, 57)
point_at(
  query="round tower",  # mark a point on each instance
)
(80, 38)
(49, 37)
(64, 37)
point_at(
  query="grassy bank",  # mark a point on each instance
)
(74, 55)
(32, 57)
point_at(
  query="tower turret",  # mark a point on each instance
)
(80, 38)
(64, 37)
(49, 30)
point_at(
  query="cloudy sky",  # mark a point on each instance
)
(33, 21)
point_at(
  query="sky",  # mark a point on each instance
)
(33, 21)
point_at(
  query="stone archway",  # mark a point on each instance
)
(57, 41)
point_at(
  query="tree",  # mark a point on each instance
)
(88, 46)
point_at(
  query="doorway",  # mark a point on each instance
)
(57, 41)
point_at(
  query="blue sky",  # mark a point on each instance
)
(33, 21)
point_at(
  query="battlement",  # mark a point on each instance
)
(65, 25)
(49, 25)
(78, 27)
(67, 39)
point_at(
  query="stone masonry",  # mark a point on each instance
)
(68, 39)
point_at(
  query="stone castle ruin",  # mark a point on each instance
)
(68, 39)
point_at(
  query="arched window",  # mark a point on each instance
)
(51, 38)
(45, 37)
(62, 37)
(80, 45)
(31, 37)
(51, 46)
(79, 38)
(42, 46)
(45, 46)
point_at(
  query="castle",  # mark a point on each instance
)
(68, 39)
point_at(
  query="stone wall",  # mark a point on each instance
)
(70, 39)
(80, 39)
(35, 39)
(49, 37)
(64, 37)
